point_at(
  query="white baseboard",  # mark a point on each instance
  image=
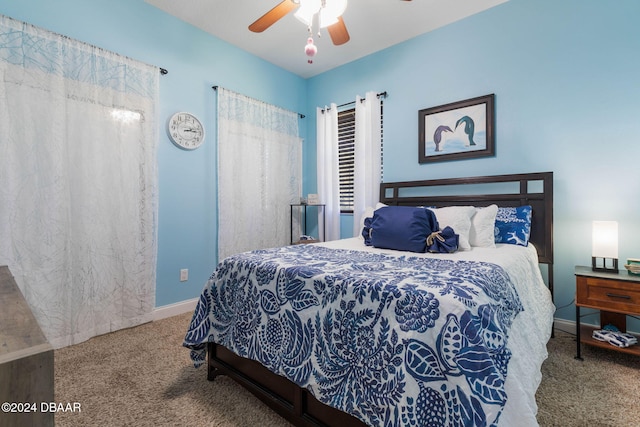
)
(563, 325)
(170, 310)
(569, 326)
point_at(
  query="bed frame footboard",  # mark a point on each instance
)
(290, 401)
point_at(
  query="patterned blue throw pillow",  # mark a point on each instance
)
(513, 225)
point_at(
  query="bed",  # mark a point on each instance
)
(344, 334)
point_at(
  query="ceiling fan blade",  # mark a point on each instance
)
(338, 32)
(271, 17)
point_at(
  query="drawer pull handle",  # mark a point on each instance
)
(610, 295)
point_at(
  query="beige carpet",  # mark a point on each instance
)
(601, 390)
(143, 377)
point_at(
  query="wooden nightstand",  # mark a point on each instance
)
(615, 295)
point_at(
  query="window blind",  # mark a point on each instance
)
(346, 147)
(346, 141)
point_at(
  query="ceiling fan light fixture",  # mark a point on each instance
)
(307, 10)
(329, 11)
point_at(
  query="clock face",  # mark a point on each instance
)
(186, 131)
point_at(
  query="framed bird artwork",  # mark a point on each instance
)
(459, 130)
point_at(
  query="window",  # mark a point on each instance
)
(346, 142)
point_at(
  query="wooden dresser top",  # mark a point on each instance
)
(20, 333)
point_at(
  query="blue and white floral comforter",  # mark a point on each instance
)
(393, 340)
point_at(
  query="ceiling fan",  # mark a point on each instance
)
(328, 14)
(307, 9)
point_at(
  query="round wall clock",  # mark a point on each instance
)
(186, 131)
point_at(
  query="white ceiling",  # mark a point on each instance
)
(372, 24)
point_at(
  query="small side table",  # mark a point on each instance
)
(304, 222)
(615, 295)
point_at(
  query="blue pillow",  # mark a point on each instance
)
(513, 225)
(403, 228)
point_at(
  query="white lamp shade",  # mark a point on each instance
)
(605, 239)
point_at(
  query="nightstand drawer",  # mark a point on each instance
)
(611, 295)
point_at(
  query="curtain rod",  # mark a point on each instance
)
(302, 116)
(379, 95)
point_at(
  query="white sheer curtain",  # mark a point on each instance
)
(328, 180)
(78, 200)
(259, 173)
(367, 161)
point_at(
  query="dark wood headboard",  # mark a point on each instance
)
(535, 189)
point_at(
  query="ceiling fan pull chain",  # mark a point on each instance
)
(310, 49)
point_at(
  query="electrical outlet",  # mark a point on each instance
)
(184, 274)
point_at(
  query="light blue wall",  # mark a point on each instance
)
(565, 74)
(563, 71)
(196, 61)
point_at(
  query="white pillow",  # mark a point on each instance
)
(458, 218)
(483, 224)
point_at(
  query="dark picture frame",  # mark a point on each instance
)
(459, 130)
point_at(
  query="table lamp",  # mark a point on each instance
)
(604, 250)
